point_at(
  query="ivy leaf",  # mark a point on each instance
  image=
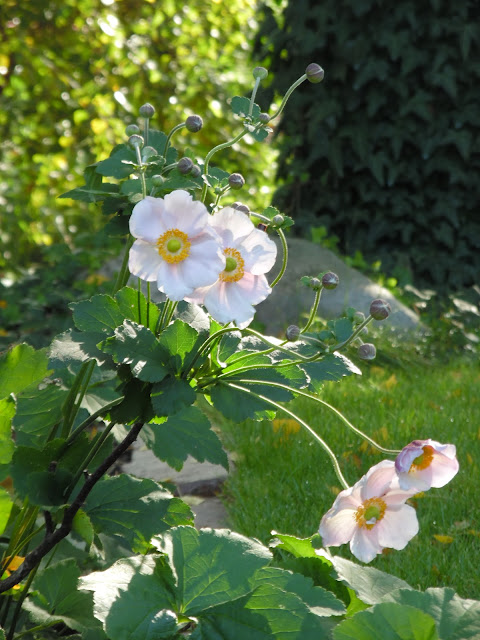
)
(20, 367)
(138, 347)
(186, 433)
(134, 510)
(55, 598)
(120, 164)
(389, 621)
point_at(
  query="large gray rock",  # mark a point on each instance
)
(290, 297)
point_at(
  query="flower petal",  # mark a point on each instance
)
(397, 527)
(259, 252)
(232, 226)
(184, 213)
(364, 544)
(226, 303)
(338, 528)
(144, 261)
(170, 280)
(146, 219)
(378, 479)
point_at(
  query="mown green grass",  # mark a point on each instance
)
(284, 481)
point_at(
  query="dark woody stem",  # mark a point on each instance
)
(52, 538)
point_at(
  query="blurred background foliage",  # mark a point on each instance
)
(387, 156)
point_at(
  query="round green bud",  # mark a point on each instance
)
(315, 284)
(131, 129)
(358, 317)
(379, 309)
(292, 333)
(236, 181)
(147, 110)
(367, 351)
(148, 152)
(158, 180)
(196, 172)
(239, 206)
(185, 165)
(260, 72)
(194, 123)
(330, 280)
(315, 73)
(264, 117)
(278, 220)
(135, 141)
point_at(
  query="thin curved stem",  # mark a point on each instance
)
(301, 422)
(357, 331)
(313, 310)
(169, 137)
(287, 95)
(209, 156)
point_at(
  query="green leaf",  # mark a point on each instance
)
(100, 314)
(20, 367)
(186, 433)
(238, 405)
(179, 339)
(138, 347)
(118, 165)
(456, 618)
(134, 509)
(132, 600)
(37, 411)
(72, 348)
(299, 547)
(387, 621)
(371, 585)
(211, 566)
(55, 597)
(331, 367)
(7, 411)
(6, 505)
(84, 194)
(240, 106)
(133, 305)
(171, 396)
(82, 526)
(157, 140)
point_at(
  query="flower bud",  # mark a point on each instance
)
(366, 351)
(196, 171)
(236, 181)
(185, 165)
(239, 206)
(194, 123)
(379, 309)
(358, 317)
(330, 280)
(158, 180)
(315, 284)
(135, 141)
(131, 129)
(264, 117)
(148, 152)
(278, 220)
(260, 72)
(147, 110)
(315, 73)
(292, 333)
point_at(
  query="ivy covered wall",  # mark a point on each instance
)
(387, 157)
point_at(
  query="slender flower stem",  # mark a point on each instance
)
(146, 129)
(77, 394)
(141, 171)
(169, 137)
(358, 330)
(88, 421)
(306, 426)
(313, 311)
(148, 304)
(287, 95)
(283, 240)
(359, 432)
(209, 156)
(254, 93)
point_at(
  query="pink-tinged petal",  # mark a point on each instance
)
(197, 296)
(144, 261)
(233, 226)
(444, 468)
(170, 280)
(205, 262)
(146, 219)
(337, 528)
(184, 213)
(397, 527)
(438, 466)
(364, 544)
(259, 252)
(254, 288)
(226, 303)
(378, 479)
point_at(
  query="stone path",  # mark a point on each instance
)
(198, 484)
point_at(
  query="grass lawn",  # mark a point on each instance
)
(285, 482)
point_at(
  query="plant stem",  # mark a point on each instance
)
(124, 273)
(313, 310)
(209, 156)
(346, 342)
(169, 137)
(306, 426)
(287, 95)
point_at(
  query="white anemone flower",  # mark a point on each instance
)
(426, 463)
(175, 245)
(249, 254)
(371, 515)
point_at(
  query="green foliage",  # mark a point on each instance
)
(385, 158)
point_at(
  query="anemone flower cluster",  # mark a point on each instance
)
(373, 514)
(217, 260)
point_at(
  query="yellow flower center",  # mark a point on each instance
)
(423, 460)
(234, 270)
(173, 246)
(370, 512)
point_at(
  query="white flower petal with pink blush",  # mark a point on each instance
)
(175, 246)
(371, 515)
(426, 463)
(249, 254)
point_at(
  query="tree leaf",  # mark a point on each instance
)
(134, 509)
(20, 367)
(186, 433)
(388, 621)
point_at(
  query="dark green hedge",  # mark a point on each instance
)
(387, 155)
